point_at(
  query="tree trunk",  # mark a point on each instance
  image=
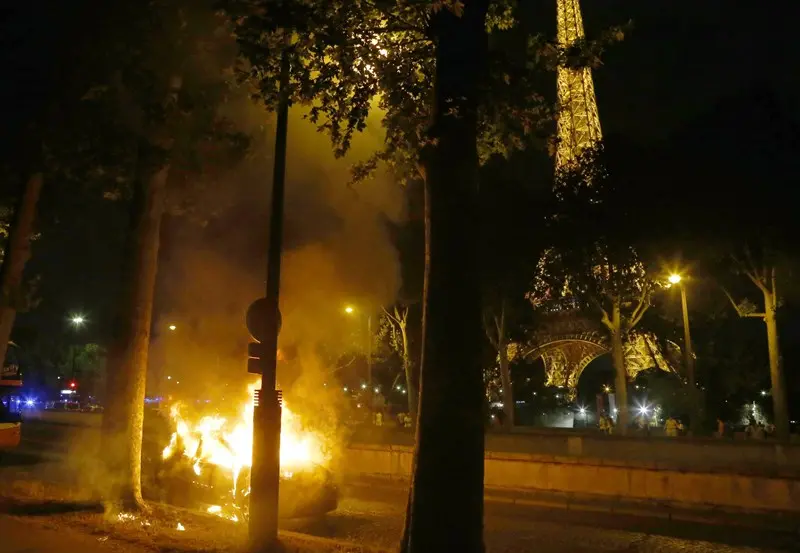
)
(124, 417)
(408, 368)
(446, 503)
(620, 372)
(780, 408)
(18, 251)
(505, 371)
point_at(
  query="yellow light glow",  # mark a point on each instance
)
(228, 444)
(349, 310)
(674, 278)
(172, 327)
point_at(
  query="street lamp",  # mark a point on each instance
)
(77, 321)
(350, 310)
(675, 278)
(688, 352)
(172, 327)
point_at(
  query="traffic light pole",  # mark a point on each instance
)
(265, 472)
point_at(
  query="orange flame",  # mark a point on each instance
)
(228, 443)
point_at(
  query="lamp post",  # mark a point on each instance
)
(350, 310)
(688, 352)
(676, 279)
(77, 322)
(265, 471)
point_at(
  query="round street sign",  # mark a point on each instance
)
(256, 319)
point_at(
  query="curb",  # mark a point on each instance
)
(781, 522)
(294, 542)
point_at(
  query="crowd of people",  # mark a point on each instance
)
(673, 427)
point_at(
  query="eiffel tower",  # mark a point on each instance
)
(571, 339)
(578, 121)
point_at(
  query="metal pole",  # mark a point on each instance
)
(265, 471)
(689, 362)
(687, 340)
(369, 352)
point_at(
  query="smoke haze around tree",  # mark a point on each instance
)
(337, 252)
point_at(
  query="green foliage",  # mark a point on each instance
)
(350, 58)
(157, 76)
(89, 359)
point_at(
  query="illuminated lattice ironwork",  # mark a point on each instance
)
(578, 120)
(569, 342)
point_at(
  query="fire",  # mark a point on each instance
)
(228, 443)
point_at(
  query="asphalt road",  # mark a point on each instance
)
(374, 514)
(21, 536)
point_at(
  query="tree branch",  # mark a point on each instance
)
(739, 309)
(606, 320)
(486, 326)
(391, 317)
(401, 319)
(749, 269)
(641, 309)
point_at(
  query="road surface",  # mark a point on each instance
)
(21, 536)
(373, 515)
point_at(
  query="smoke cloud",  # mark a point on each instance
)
(337, 252)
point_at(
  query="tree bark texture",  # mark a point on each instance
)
(505, 371)
(780, 405)
(620, 372)
(445, 511)
(408, 368)
(17, 254)
(124, 418)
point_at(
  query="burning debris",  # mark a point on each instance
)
(219, 449)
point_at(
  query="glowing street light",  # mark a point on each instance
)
(349, 309)
(172, 327)
(77, 320)
(675, 278)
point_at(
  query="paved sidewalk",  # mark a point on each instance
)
(29, 536)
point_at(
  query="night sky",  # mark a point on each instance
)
(681, 60)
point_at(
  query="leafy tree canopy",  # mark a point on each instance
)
(349, 57)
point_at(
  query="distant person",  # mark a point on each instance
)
(644, 426)
(720, 428)
(606, 424)
(672, 427)
(770, 430)
(754, 431)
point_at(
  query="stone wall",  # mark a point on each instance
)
(690, 454)
(614, 477)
